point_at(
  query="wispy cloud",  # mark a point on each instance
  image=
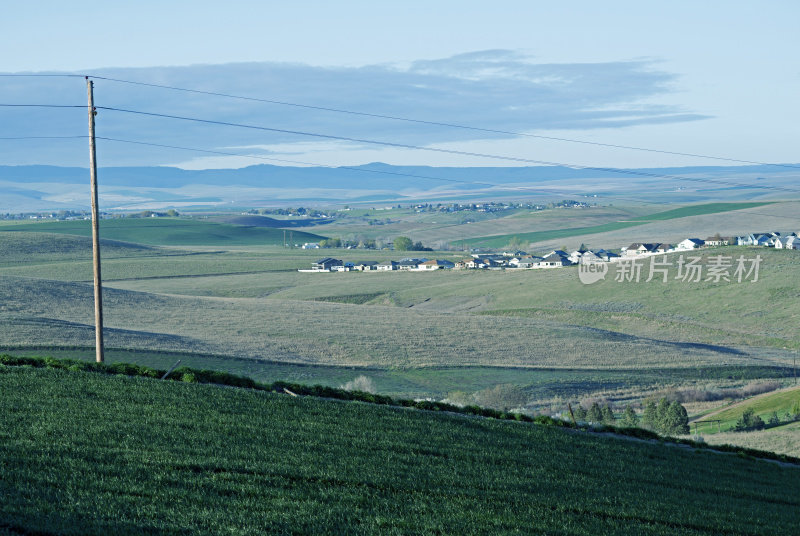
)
(495, 89)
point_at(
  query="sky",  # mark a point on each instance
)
(710, 78)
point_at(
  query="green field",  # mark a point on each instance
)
(542, 386)
(499, 241)
(541, 335)
(168, 231)
(91, 454)
(780, 402)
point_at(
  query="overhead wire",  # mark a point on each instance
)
(441, 150)
(42, 137)
(437, 123)
(527, 189)
(390, 144)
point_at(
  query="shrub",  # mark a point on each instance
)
(188, 377)
(749, 421)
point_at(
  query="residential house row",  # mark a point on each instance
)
(556, 258)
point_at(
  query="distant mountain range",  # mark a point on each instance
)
(37, 188)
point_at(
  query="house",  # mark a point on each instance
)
(765, 240)
(366, 266)
(529, 261)
(746, 240)
(606, 255)
(717, 240)
(326, 265)
(791, 242)
(346, 267)
(435, 264)
(409, 264)
(665, 248)
(575, 256)
(637, 249)
(590, 257)
(387, 266)
(462, 264)
(554, 261)
(690, 243)
(310, 245)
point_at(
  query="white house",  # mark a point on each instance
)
(553, 261)
(788, 242)
(387, 266)
(435, 264)
(690, 243)
(637, 249)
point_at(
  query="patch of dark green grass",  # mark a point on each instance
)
(87, 453)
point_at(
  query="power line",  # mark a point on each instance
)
(440, 124)
(42, 137)
(441, 150)
(349, 168)
(43, 75)
(529, 189)
(42, 106)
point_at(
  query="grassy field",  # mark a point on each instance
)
(246, 309)
(546, 390)
(92, 454)
(168, 231)
(780, 403)
(498, 241)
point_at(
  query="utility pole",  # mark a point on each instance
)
(98, 291)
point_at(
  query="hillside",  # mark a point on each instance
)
(781, 437)
(166, 231)
(93, 454)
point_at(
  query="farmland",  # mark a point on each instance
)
(166, 231)
(276, 464)
(245, 309)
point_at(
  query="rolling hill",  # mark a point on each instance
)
(85, 453)
(167, 231)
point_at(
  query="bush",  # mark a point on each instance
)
(749, 421)
(188, 377)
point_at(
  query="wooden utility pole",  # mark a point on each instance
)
(98, 291)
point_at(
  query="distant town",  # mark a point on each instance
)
(554, 259)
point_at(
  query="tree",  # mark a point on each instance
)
(774, 420)
(675, 420)
(403, 243)
(172, 213)
(649, 416)
(608, 415)
(749, 421)
(595, 414)
(661, 414)
(629, 418)
(579, 412)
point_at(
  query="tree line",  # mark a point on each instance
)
(664, 417)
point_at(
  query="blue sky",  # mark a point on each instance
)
(718, 78)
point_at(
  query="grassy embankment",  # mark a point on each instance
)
(93, 454)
